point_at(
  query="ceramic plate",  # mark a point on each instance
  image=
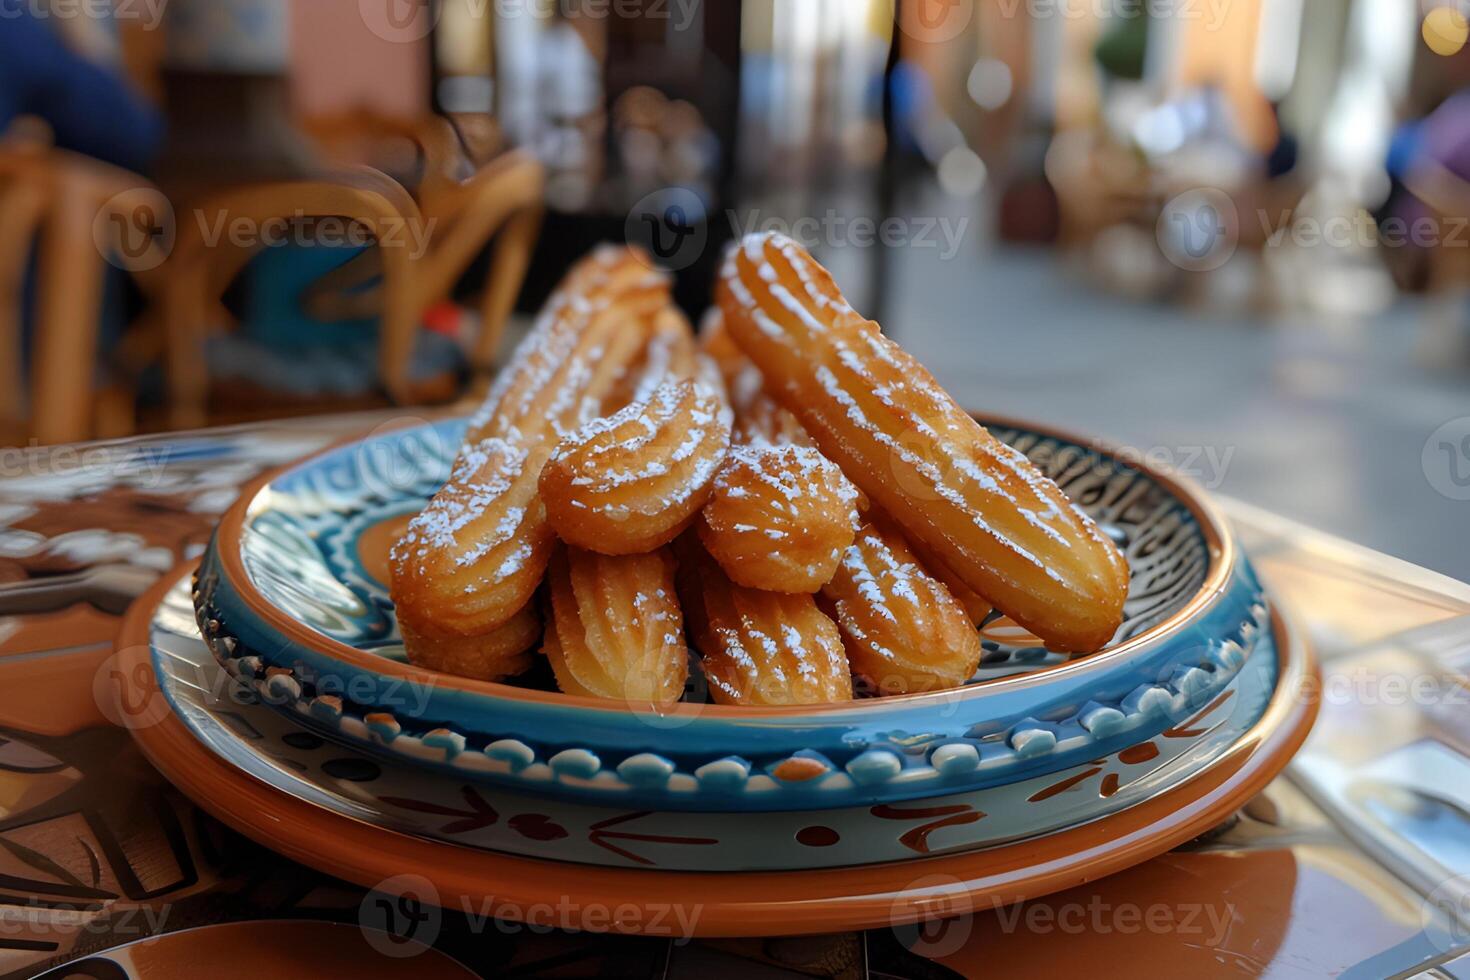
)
(292, 599)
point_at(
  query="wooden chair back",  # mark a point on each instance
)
(200, 270)
(59, 206)
(469, 205)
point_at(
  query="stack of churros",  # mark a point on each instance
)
(790, 491)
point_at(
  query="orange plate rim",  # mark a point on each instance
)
(751, 903)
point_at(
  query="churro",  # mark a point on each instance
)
(506, 650)
(615, 630)
(758, 417)
(779, 517)
(757, 647)
(671, 354)
(590, 332)
(903, 630)
(633, 481)
(472, 559)
(976, 606)
(981, 506)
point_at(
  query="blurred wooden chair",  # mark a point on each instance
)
(406, 148)
(61, 208)
(23, 205)
(469, 194)
(392, 282)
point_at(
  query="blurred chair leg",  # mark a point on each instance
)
(70, 302)
(508, 265)
(21, 206)
(116, 412)
(400, 320)
(184, 358)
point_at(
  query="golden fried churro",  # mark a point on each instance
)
(902, 629)
(976, 606)
(758, 417)
(1000, 524)
(615, 629)
(474, 556)
(770, 648)
(779, 517)
(504, 651)
(592, 329)
(671, 354)
(633, 481)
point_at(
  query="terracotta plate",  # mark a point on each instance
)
(707, 903)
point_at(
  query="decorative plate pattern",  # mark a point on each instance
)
(401, 795)
(306, 551)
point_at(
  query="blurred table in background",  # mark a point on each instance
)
(99, 852)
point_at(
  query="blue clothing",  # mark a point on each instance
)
(90, 110)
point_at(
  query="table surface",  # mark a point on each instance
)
(105, 867)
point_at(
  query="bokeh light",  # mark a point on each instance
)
(961, 172)
(1445, 30)
(990, 83)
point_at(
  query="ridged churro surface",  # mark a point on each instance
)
(633, 481)
(506, 650)
(902, 629)
(590, 333)
(473, 557)
(757, 647)
(779, 517)
(615, 629)
(471, 560)
(758, 417)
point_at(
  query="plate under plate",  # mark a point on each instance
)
(266, 787)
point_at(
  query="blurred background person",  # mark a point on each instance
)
(88, 108)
